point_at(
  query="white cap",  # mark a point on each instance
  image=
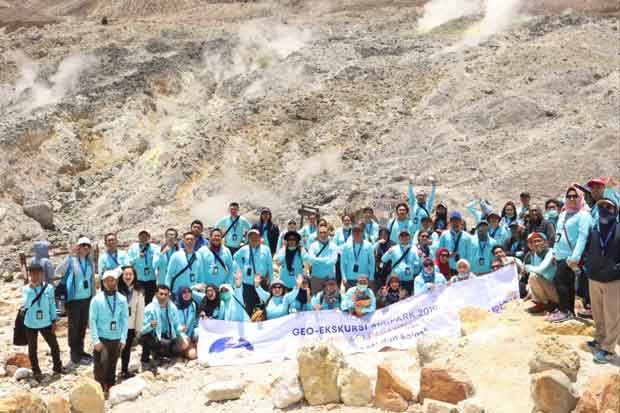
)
(115, 273)
(84, 240)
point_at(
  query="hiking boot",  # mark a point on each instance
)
(559, 317)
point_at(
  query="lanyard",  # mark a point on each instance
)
(190, 261)
(112, 308)
(114, 257)
(145, 252)
(493, 231)
(483, 246)
(83, 268)
(357, 254)
(348, 234)
(608, 238)
(233, 224)
(185, 315)
(36, 294)
(252, 259)
(368, 229)
(129, 296)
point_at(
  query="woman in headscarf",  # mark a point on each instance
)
(383, 244)
(128, 286)
(232, 306)
(572, 234)
(302, 301)
(391, 292)
(442, 262)
(428, 279)
(440, 223)
(187, 314)
(210, 305)
(329, 298)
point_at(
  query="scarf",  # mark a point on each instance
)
(428, 278)
(209, 306)
(581, 203)
(181, 304)
(331, 299)
(289, 257)
(443, 268)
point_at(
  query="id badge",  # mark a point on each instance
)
(248, 272)
(234, 237)
(85, 284)
(356, 268)
(147, 271)
(481, 261)
(216, 269)
(192, 277)
(408, 271)
(39, 314)
(112, 325)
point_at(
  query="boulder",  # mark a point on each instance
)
(10, 370)
(134, 365)
(590, 400)
(127, 390)
(432, 348)
(87, 396)
(445, 383)
(319, 366)
(42, 213)
(610, 399)
(224, 390)
(18, 360)
(472, 319)
(551, 354)
(435, 406)
(391, 393)
(568, 328)
(23, 402)
(355, 387)
(470, 406)
(22, 373)
(553, 392)
(58, 404)
(286, 391)
(15, 226)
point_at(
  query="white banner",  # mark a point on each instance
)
(398, 325)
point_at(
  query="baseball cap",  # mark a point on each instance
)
(84, 241)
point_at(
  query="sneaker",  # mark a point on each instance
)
(537, 308)
(602, 357)
(86, 356)
(585, 313)
(559, 317)
(593, 345)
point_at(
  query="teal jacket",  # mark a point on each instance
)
(323, 265)
(236, 235)
(144, 260)
(306, 232)
(79, 278)
(43, 313)
(108, 261)
(190, 276)
(544, 266)
(232, 309)
(418, 211)
(360, 257)
(188, 317)
(168, 323)
(162, 263)
(448, 239)
(213, 271)
(252, 261)
(342, 236)
(422, 281)
(317, 299)
(108, 316)
(277, 306)
(408, 267)
(395, 226)
(481, 255)
(499, 234)
(371, 232)
(290, 278)
(576, 227)
(348, 302)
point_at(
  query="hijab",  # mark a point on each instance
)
(183, 304)
(443, 268)
(393, 294)
(581, 203)
(209, 306)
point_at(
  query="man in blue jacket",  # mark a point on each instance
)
(357, 258)
(235, 228)
(40, 305)
(112, 257)
(322, 254)
(252, 260)
(109, 316)
(457, 241)
(143, 256)
(185, 266)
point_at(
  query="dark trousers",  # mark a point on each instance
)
(77, 316)
(583, 289)
(338, 272)
(160, 348)
(126, 354)
(105, 362)
(407, 285)
(250, 298)
(149, 288)
(32, 335)
(564, 282)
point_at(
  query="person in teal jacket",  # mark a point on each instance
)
(329, 298)
(232, 307)
(359, 300)
(165, 253)
(252, 260)
(112, 257)
(371, 227)
(456, 241)
(429, 278)
(187, 314)
(291, 258)
(303, 300)
(426, 240)
(540, 267)
(234, 227)
(217, 261)
(161, 333)
(419, 205)
(143, 257)
(357, 257)
(479, 214)
(323, 255)
(343, 234)
(277, 303)
(480, 253)
(552, 211)
(185, 267)
(401, 222)
(78, 280)
(496, 231)
(572, 231)
(406, 262)
(292, 226)
(310, 229)
(40, 305)
(108, 322)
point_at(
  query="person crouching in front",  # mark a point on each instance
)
(391, 292)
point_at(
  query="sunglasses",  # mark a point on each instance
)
(423, 236)
(444, 255)
(572, 196)
(277, 287)
(428, 265)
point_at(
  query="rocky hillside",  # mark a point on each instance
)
(152, 120)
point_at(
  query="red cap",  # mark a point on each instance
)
(597, 181)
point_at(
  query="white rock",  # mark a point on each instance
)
(431, 348)
(127, 390)
(355, 387)
(22, 373)
(134, 365)
(286, 391)
(224, 390)
(471, 406)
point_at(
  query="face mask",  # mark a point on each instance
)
(552, 213)
(362, 287)
(605, 217)
(292, 248)
(226, 295)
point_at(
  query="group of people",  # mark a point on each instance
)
(155, 295)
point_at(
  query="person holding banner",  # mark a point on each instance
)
(112, 257)
(540, 267)
(329, 298)
(232, 307)
(406, 263)
(302, 301)
(428, 278)
(185, 267)
(253, 260)
(143, 257)
(359, 300)
(217, 261)
(323, 255)
(463, 271)
(357, 257)
(277, 303)
(234, 227)
(391, 292)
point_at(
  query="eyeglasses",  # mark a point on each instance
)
(572, 196)
(444, 255)
(277, 287)
(428, 265)
(423, 236)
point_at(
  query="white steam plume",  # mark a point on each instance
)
(328, 162)
(33, 92)
(438, 12)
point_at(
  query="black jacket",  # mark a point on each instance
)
(599, 267)
(273, 233)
